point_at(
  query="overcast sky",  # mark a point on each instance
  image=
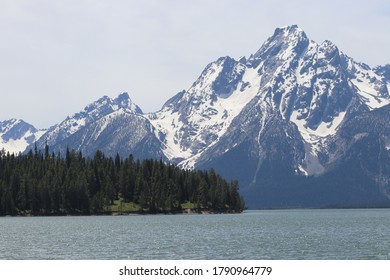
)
(58, 56)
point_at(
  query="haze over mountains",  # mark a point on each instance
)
(298, 123)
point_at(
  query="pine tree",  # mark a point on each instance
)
(39, 183)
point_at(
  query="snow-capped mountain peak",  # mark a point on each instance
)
(124, 101)
(285, 41)
(16, 135)
(91, 113)
(106, 105)
(308, 84)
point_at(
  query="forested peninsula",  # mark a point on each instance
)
(42, 183)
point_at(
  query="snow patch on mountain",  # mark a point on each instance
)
(325, 129)
(204, 112)
(19, 145)
(16, 135)
(373, 91)
(91, 113)
(98, 128)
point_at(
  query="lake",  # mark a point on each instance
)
(266, 234)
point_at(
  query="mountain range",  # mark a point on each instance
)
(297, 123)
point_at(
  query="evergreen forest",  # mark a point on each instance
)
(42, 183)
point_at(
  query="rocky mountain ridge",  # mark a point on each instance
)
(294, 116)
(16, 135)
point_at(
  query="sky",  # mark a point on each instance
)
(58, 56)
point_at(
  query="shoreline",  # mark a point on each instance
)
(126, 213)
(179, 212)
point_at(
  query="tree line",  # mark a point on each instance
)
(42, 183)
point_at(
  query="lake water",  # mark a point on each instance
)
(273, 234)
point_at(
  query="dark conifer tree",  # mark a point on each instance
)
(42, 184)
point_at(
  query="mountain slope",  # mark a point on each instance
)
(194, 119)
(110, 125)
(119, 132)
(17, 135)
(90, 114)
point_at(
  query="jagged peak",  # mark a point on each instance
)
(383, 71)
(173, 100)
(6, 124)
(329, 46)
(288, 34)
(10, 121)
(213, 68)
(289, 30)
(13, 122)
(123, 100)
(328, 43)
(283, 38)
(96, 110)
(220, 61)
(15, 129)
(100, 102)
(225, 58)
(242, 60)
